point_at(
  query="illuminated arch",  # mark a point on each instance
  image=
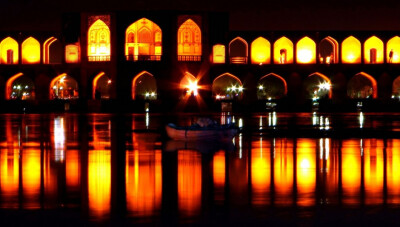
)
(393, 50)
(271, 86)
(30, 51)
(190, 84)
(144, 86)
(362, 85)
(373, 51)
(46, 49)
(9, 51)
(227, 87)
(99, 42)
(260, 51)
(143, 41)
(328, 51)
(283, 51)
(318, 85)
(306, 51)
(101, 86)
(72, 53)
(189, 41)
(396, 88)
(219, 53)
(238, 51)
(351, 50)
(20, 87)
(63, 87)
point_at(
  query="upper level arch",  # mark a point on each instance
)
(218, 53)
(238, 51)
(283, 51)
(373, 51)
(143, 41)
(393, 50)
(260, 51)
(189, 41)
(9, 51)
(99, 41)
(328, 51)
(351, 50)
(30, 51)
(306, 51)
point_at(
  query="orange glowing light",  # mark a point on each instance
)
(306, 171)
(72, 169)
(373, 51)
(31, 178)
(393, 50)
(189, 41)
(283, 51)
(9, 176)
(260, 51)
(46, 49)
(94, 84)
(393, 170)
(260, 171)
(189, 182)
(63, 87)
(189, 83)
(283, 171)
(351, 170)
(143, 41)
(30, 51)
(219, 175)
(72, 53)
(238, 51)
(10, 83)
(306, 51)
(351, 51)
(9, 51)
(99, 42)
(218, 53)
(373, 171)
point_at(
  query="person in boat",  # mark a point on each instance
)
(205, 122)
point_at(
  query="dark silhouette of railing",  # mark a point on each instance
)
(143, 57)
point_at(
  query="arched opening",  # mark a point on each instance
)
(30, 51)
(64, 87)
(328, 51)
(189, 41)
(143, 41)
(99, 45)
(20, 87)
(144, 86)
(362, 86)
(373, 51)
(218, 53)
(72, 53)
(306, 51)
(318, 86)
(227, 87)
(283, 51)
(9, 51)
(393, 50)
(271, 86)
(238, 51)
(101, 86)
(351, 51)
(52, 51)
(260, 51)
(189, 85)
(396, 88)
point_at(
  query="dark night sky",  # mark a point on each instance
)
(45, 15)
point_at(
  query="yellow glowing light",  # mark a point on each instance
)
(283, 51)
(30, 51)
(99, 42)
(351, 51)
(373, 50)
(189, 39)
(260, 171)
(219, 53)
(351, 170)
(306, 165)
(393, 50)
(189, 83)
(72, 53)
(306, 51)
(260, 51)
(9, 51)
(31, 177)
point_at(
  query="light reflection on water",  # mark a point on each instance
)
(103, 164)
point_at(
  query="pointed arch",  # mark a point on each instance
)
(63, 86)
(20, 87)
(99, 42)
(373, 51)
(318, 88)
(101, 86)
(9, 51)
(362, 85)
(190, 84)
(218, 53)
(144, 86)
(189, 41)
(46, 49)
(328, 51)
(238, 51)
(393, 50)
(351, 50)
(271, 86)
(30, 51)
(143, 41)
(9, 83)
(396, 88)
(306, 51)
(283, 51)
(227, 87)
(260, 51)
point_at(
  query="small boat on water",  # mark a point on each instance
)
(196, 132)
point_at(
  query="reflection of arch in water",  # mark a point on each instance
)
(283, 51)
(101, 86)
(373, 51)
(266, 83)
(63, 86)
(328, 51)
(22, 92)
(260, 51)
(227, 86)
(357, 89)
(327, 84)
(351, 50)
(306, 51)
(144, 86)
(238, 51)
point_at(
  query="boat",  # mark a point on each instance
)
(196, 132)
